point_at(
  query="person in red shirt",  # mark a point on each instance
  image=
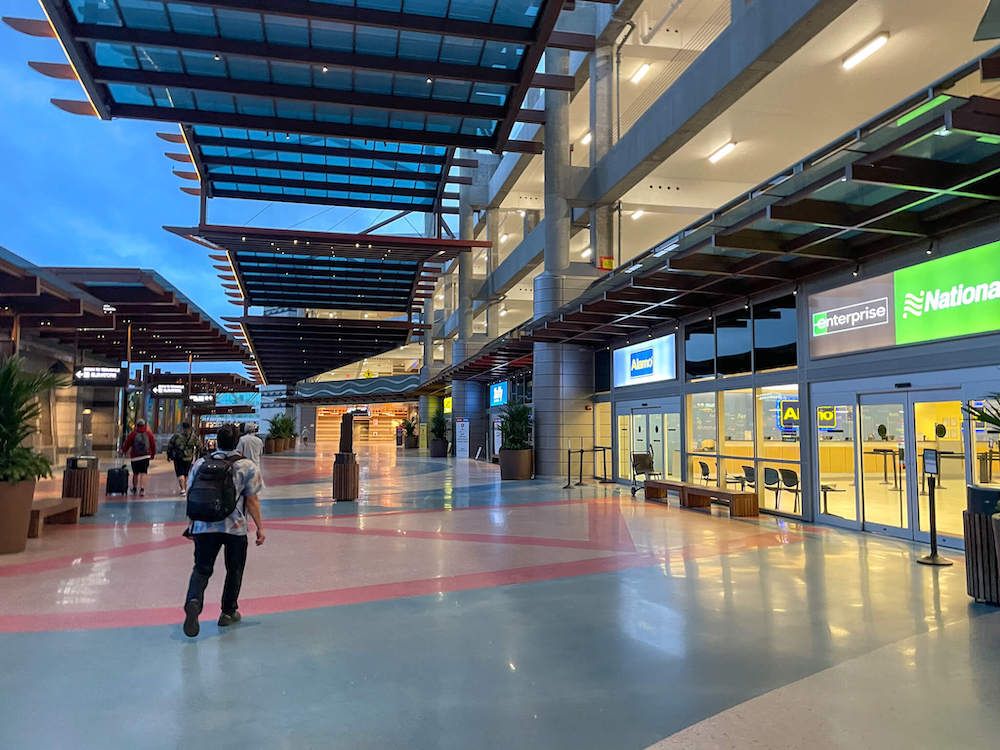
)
(140, 447)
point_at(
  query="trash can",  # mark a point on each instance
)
(82, 479)
(981, 521)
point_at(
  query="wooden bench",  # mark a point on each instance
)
(741, 504)
(52, 510)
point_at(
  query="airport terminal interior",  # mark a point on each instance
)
(517, 374)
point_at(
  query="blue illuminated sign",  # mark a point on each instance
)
(648, 362)
(498, 393)
(640, 363)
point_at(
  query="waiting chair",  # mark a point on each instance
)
(642, 463)
(772, 482)
(790, 482)
(750, 477)
(706, 473)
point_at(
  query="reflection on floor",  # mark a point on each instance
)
(450, 610)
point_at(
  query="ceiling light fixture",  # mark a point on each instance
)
(504, 237)
(587, 138)
(865, 51)
(640, 73)
(722, 153)
(586, 252)
(638, 214)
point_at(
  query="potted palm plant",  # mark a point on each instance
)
(439, 432)
(410, 439)
(20, 465)
(515, 450)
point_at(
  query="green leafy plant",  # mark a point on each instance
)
(19, 409)
(409, 427)
(439, 426)
(281, 426)
(988, 413)
(515, 427)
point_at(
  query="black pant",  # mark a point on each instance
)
(206, 549)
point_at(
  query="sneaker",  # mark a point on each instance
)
(183, 492)
(231, 619)
(192, 608)
(134, 490)
(142, 491)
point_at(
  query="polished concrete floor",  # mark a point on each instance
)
(449, 610)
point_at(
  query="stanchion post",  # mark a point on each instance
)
(569, 469)
(933, 558)
(580, 483)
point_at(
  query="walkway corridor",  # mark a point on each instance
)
(448, 610)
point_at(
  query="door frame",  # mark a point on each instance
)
(629, 409)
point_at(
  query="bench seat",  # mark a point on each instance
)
(52, 510)
(741, 504)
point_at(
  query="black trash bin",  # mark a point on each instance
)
(982, 573)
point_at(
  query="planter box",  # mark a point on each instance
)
(15, 515)
(439, 448)
(516, 464)
(411, 441)
(269, 445)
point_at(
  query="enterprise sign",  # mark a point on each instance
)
(649, 362)
(958, 295)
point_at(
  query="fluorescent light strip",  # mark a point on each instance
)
(722, 153)
(637, 214)
(856, 58)
(640, 73)
(664, 250)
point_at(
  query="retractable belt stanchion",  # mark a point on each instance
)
(569, 469)
(580, 482)
(931, 469)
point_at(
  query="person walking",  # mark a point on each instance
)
(140, 447)
(250, 446)
(183, 449)
(304, 434)
(222, 480)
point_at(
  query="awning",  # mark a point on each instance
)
(324, 270)
(204, 382)
(289, 349)
(165, 325)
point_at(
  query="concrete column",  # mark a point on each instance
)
(466, 227)
(563, 375)
(492, 261)
(602, 134)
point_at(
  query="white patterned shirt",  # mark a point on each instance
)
(246, 478)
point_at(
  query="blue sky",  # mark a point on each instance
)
(79, 191)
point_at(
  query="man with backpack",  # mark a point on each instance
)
(140, 447)
(182, 450)
(223, 491)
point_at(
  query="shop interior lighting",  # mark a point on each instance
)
(640, 73)
(722, 152)
(865, 51)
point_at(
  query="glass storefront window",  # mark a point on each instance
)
(625, 446)
(734, 343)
(702, 423)
(774, 334)
(835, 445)
(736, 444)
(703, 469)
(699, 350)
(778, 480)
(986, 449)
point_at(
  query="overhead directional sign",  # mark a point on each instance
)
(100, 376)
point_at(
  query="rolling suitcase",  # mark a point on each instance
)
(117, 482)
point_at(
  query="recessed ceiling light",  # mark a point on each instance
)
(867, 50)
(638, 214)
(586, 252)
(504, 237)
(722, 153)
(640, 73)
(587, 138)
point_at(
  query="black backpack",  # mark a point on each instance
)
(140, 444)
(212, 496)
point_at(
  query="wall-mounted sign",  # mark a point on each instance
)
(499, 393)
(202, 398)
(98, 376)
(446, 405)
(788, 414)
(826, 417)
(958, 295)
(648, 362)
(168, 390)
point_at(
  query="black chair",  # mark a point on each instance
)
(642, 463)
(772, 482)
(790, 482)
(750, 477)
(706, 473)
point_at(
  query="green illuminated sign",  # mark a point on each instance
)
(954, 296)
(958, 295)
